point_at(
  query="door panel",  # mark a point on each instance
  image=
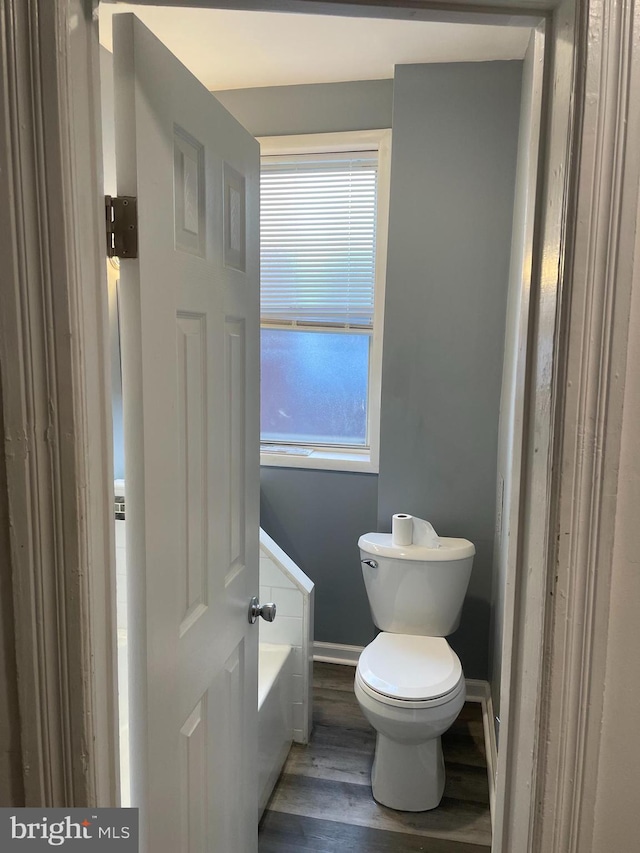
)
(192, 487)
(235, 370)
(194, 782)
(190, 376)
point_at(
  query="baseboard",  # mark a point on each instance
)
(336, 653)
(477, 691)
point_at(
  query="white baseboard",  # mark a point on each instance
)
(336, 653)
(477, 691)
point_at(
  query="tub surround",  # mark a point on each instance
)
(275, 716)
(284, 583)
(285, 664)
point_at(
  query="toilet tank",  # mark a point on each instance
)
(413, 589)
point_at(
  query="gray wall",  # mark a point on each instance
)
(511, 399)
(316, 517)
(455, 132)
(314, 108)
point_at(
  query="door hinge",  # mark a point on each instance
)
(122, 226)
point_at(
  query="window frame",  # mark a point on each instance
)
(334, 457)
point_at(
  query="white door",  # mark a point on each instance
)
(190, 374)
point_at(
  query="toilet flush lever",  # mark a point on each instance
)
(371, 563)
(267, 611)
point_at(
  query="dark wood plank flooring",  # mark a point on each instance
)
(322, 802)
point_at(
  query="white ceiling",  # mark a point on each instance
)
(234, 50)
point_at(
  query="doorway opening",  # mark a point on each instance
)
(490, 603)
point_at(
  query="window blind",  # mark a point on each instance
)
(317, 233)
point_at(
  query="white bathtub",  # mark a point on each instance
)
(275, 723)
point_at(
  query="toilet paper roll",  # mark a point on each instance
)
(401, 529)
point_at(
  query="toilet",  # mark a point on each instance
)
(409, 681)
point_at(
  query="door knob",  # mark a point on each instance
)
(267, 611)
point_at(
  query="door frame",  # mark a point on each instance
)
(56, 406)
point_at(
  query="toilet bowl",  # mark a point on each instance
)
(409, 682)
(410, 689)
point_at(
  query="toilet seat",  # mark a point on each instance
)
(405, 670)
(410, 704)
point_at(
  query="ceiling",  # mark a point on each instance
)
(234, 50)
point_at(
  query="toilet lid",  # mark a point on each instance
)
(410, 668)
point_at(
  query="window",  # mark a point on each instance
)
(323, 224)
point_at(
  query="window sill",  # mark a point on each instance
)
(326, 460)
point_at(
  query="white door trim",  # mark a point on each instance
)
(54, 360)
(601, 268)
(56, 402)
(529, 563)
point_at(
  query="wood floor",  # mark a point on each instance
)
(323, 804)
